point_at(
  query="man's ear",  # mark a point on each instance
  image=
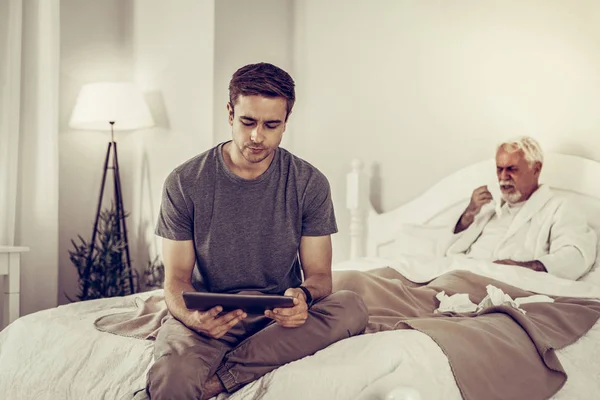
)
(537, 168)
(286, 121)
(231, 113)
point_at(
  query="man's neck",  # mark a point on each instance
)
(524, 199)
(241, 167)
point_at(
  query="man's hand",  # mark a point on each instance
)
(213, 325)
(533, 265)
(480, 197)
(292, 317)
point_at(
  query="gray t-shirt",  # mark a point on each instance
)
(246, 232)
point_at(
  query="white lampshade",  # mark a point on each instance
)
(118, 102)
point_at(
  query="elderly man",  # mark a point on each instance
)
(532, 228)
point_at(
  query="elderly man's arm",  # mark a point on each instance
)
(572, 246)
(465, 220)
(534, 265)
(480, 197)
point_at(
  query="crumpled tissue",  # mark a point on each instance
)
(460, 302)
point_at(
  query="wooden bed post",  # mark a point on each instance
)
(355, 202)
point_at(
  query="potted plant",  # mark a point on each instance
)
(104, 273)
(154, 275)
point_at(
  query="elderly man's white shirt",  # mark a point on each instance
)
(493, 232)
(545, 228)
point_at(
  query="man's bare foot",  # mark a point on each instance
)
(212, 387)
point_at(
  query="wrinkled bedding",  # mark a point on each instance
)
(58, 354)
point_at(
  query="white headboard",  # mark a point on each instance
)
(445, 200)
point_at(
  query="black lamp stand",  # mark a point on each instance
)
(122, 226)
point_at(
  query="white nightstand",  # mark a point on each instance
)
(10, 266)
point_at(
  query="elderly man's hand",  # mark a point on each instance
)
(506, 262)
(481, 196)
(533, 265)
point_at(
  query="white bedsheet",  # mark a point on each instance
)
(58, 354)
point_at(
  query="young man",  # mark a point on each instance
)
(245, 217)
(534, 229)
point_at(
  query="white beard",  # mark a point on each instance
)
(512, 198)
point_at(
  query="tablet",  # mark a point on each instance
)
(251, 304)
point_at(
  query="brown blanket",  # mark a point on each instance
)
(498, 353)
(142, 323)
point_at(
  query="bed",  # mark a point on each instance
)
(59, 354)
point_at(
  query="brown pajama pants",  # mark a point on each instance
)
(185, 360)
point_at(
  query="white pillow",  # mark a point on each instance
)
(593, 275)
(590, 208)
(421, 240)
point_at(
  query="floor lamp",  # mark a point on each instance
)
(113, 106)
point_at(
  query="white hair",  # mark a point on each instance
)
(530, 147)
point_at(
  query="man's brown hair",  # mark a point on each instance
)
(262, 79)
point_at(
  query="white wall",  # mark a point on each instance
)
(95, 46)
(420, 89)
(417, 89)
(37, 197)
(173, 47)
(249, 32)
(167, 49)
